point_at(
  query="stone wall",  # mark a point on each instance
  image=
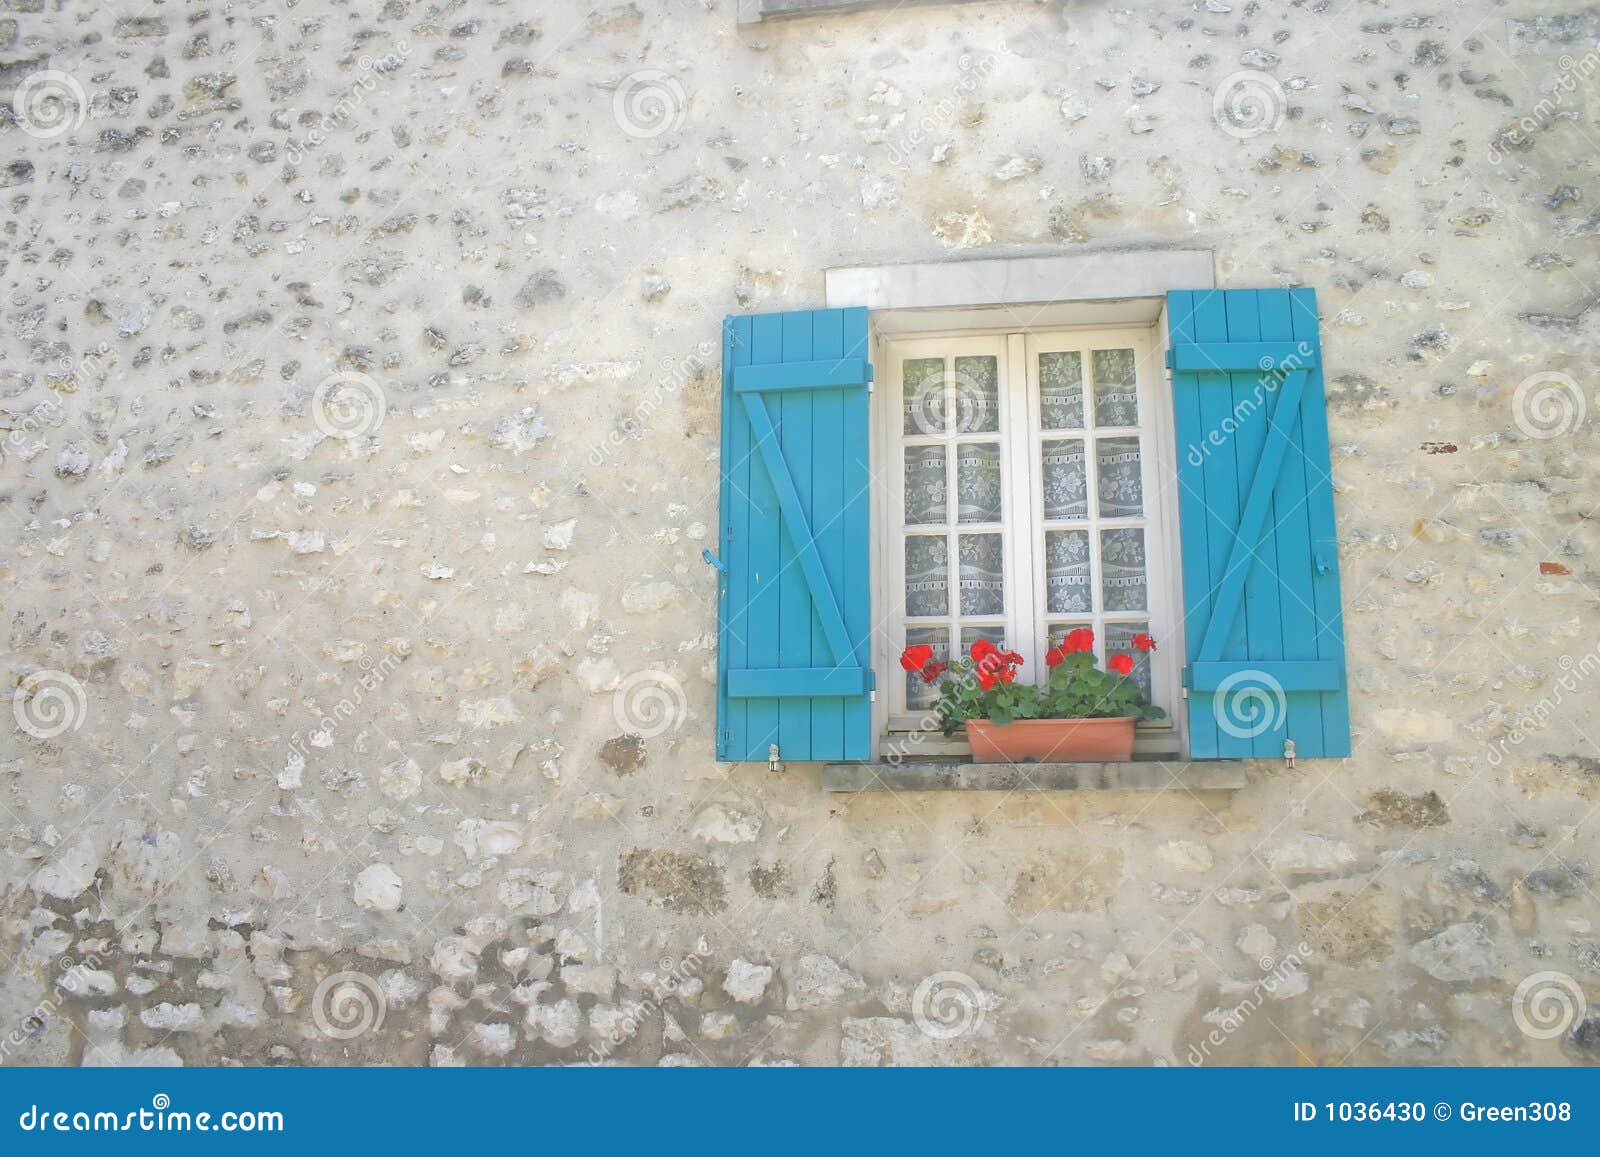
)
(359, 400)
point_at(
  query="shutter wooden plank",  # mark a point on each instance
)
(1290, 676)
(1193, 449)
(801, 683)
(765, 556)
(827, 515)
(1291, 546)
(1324, 537)
(795, 601)
(1241, 356)
(1220, 484)
(824, 373)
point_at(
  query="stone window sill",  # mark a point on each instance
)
(961, 775)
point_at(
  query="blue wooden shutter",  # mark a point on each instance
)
(794, 598)
(1264, 633)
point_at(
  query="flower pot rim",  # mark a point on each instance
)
(1061, 719)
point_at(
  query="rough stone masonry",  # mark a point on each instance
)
(358, 398)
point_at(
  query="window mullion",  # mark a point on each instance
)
(1022, 610)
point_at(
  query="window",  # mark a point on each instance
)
(1026, 499)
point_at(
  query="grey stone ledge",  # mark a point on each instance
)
(939, 775)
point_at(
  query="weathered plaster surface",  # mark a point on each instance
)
(350, 705)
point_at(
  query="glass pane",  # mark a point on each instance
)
(924, 396)
(977, 395)
(1066, 481)
(927, 580)
(1066, 572)
(978, 481)
(1061, 390)
(1122, 560)
(920, 695)
(1119, 641)
(1116, 394)
(925, 486)
(1120, 483)
(982, 575)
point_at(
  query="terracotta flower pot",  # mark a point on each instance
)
(1052, 740)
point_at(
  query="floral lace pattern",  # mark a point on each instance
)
(1066, 572)
(982, 560)
(927, 580)
(1116, 391)
(1061, 390)
(1065, 479)
(1124, 586)
(925, 486)
(1120, 482)
(978, 481)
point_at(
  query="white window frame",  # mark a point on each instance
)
(1022, 501)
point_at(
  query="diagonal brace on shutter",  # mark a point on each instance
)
(794, 518)
(1230, 594)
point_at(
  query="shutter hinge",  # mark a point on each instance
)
(1169, 358)
(713, 560)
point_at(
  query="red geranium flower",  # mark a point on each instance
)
(916, 658)
(982, 649)
(1144, 642)
(933, 670)
(1054, 656)
(1121, 664)
(1081, 639)
(986, 680)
